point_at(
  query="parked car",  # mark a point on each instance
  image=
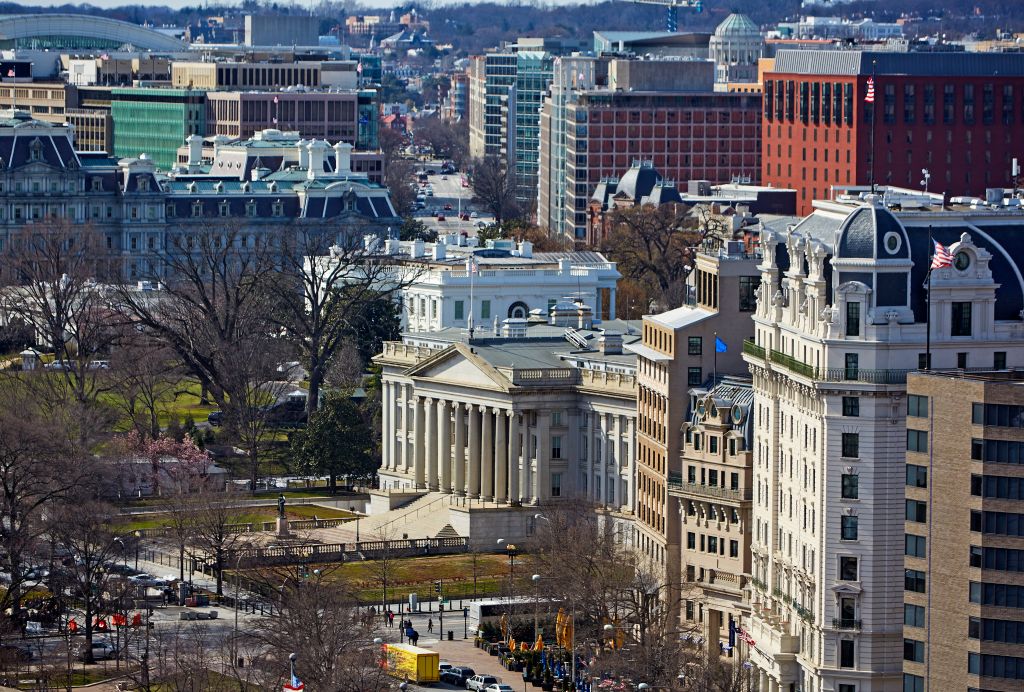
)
(498, 687)
(473, 215)
(101, 651)
(215, 418)
(464, 217)
(479, 682)
(443, 666)
(16, 652)
(58, 365)
(99, 365)
(457, 675)
(289, 413)
(440, 217)
(448, 207)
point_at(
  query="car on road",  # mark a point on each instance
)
(480, 682)
(58, 365)
(101, 651)
(498, 687)
(430, 192)
(473, 215)
(448, 207)
(440, 217)
(457, 675)
(464, 217)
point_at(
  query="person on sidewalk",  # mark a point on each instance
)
(430, 624)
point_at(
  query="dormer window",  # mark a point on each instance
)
(197, 209)
(35, 151)
(250, 209)
(278, 208)
(224, 209)
(143, 184)
(853, 318)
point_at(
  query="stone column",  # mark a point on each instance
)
(524, 467)
(459, 453)
(500, 455)
(418, 433)
(611, 304)
(487, 462)
(762, 683)
(430, 442)
(590, 466)
(444, 448)
(620, 462)
(631, 463)
(387, 434)
(514, 450)
(403, 433)
(542, 480)
(474, 451)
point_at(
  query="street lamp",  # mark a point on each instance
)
(642, 687)
(510, 550)
(925, 180)
(536, 604)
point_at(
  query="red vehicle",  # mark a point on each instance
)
(447, 207)
(440, 217)
(464, 217)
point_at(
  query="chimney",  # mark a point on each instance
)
(195, 152)
(564, 265)
(514, 328)
(585, 316)
(526, 249)
(610, 343)
(342, 159)
(371, 243)
(392, 246)
(303, 154)
(438, 251)
(317, 150)
(417, 249)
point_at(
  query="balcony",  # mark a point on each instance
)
(400, 352)
(677, 486)
(752, 349)
(791, 363)
(845, 624)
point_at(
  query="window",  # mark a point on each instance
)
(917, 476)
(851, 445)
(998, 523)
(913, 683)
(485, 309)
(691, 541)
(924, 361)
(556, 446)
(850, 487)
(460, 309)
(1002, 559)
(913, 615)
(961, 319)
(694, 377)
(713, 544)
(847, 688)
(846, 653)
(913, 580)
(713, 447)
(999, 360)
(914, 546)
(993, 666)
(734, 548)
(851, 406)
(694, 345)
(848, 528)
(748, 298)
(917, 406)
(917, 441)
(853, 319)
(556, 485)
(1002, 595)
(852, 366)
(917, 510)
(847, 568)
(913, 650)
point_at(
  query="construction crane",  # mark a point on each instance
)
(672, 6)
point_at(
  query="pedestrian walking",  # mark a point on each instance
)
(430, 624)
(391, 618)
(414, 637)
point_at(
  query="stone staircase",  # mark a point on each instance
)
(425, 517)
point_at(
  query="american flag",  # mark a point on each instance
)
(10, 73)
(294, 684)
(745, 636)
(359, 68)
(471, 265)
(942, 257)
(870, 96)
(275, 99)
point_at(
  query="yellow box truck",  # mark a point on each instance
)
(407, 662)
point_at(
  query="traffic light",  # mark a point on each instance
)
(437, 587)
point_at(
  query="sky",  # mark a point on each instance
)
(386, 4)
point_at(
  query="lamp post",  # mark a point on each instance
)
(536, 605)
(511, 551)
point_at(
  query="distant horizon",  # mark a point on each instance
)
(374, 4)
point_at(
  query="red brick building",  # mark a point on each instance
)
(685, 135)
(960, 115)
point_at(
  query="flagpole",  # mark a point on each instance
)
(714, 372)
(874, 120)
(928, 306)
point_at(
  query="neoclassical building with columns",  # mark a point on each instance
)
(523, 414)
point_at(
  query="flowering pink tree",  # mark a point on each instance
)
(182, 462)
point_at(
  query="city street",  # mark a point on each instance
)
(448, 190)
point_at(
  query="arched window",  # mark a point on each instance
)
(518, 310)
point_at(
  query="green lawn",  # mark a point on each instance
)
(246, 515)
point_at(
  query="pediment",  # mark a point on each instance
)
(457, 365)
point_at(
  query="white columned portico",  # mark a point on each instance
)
(387, 426)
(459, 452)
(418, 434)
(541, 481)
(630, 462)
(500, 455)
(524, 467)
(444, 448)
(514, 450)
(407, 453)
(487, 460)
(590, 466)
(430, 443)
(474, 450)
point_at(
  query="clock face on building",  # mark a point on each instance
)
(962, 261)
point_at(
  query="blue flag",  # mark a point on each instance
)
(720, 346)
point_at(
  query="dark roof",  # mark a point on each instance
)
(854, 62)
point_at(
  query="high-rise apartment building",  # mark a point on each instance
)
(492, 80)
(963, 623)
(533, 77)
(329, 115)
(958, 115)
(677, 356)
(662, 111)
(841, 319)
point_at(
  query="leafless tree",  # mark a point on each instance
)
(400, 181)
(146, 375)
(39, 466)
(83, 527)
(214, 531)
(494, 187)
(321, 621)
(329, 290)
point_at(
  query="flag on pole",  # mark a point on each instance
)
(471, 265)
(275, 100)
(359, 68)
(10, 73)
(870, 96)
(720, 346)
(942, 257)
(294, 684)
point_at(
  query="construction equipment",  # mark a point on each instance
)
(672, 6)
